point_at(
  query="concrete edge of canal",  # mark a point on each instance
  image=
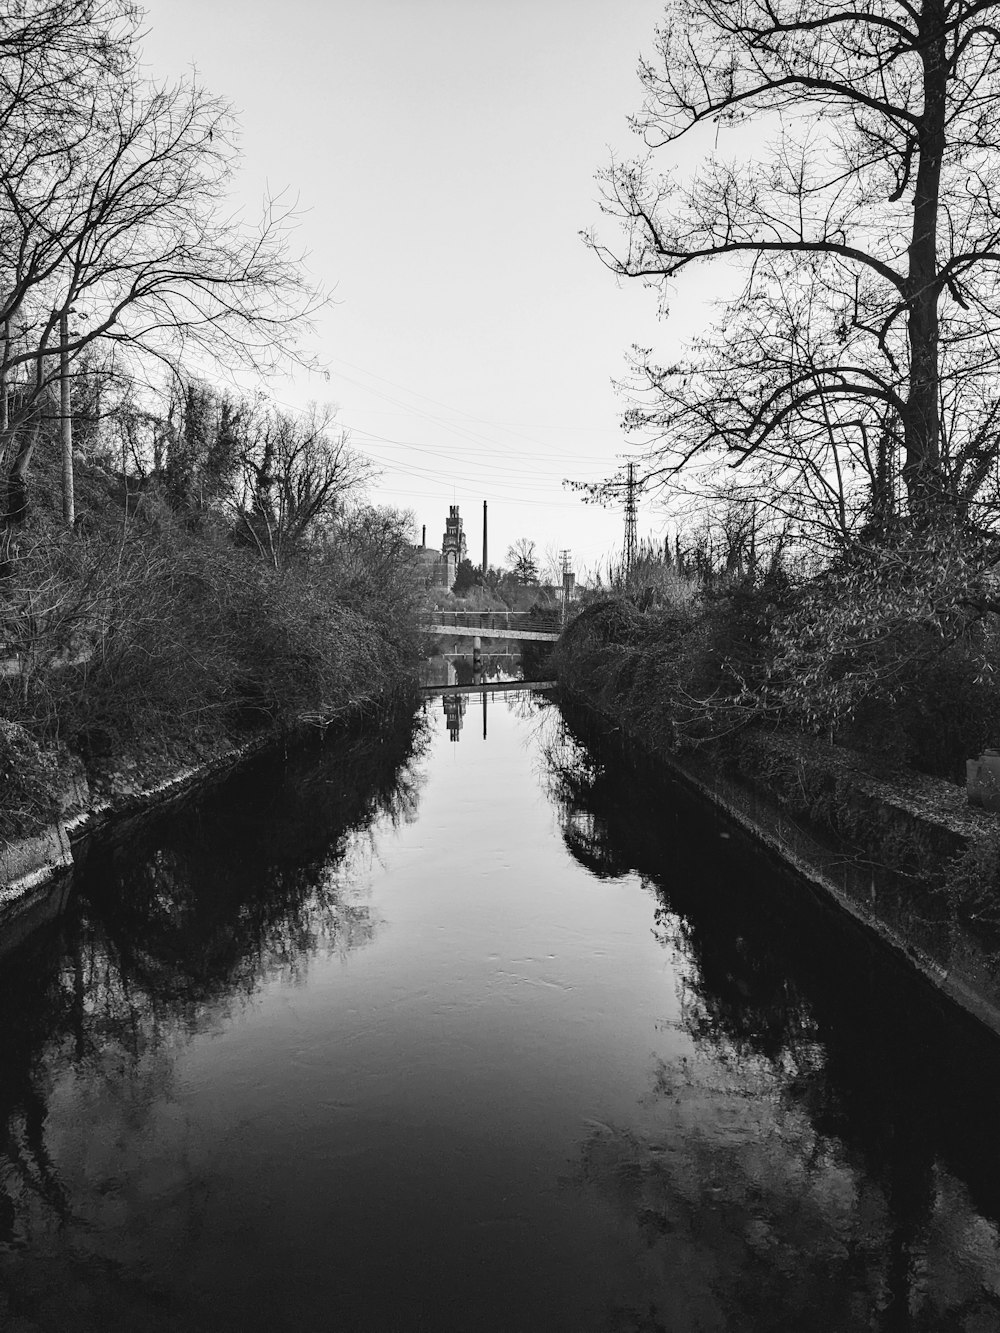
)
(804, 854)
(35, 871)
(962, 969)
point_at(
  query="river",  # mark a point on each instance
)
(472, 1024)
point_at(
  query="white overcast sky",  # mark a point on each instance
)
(444, 152)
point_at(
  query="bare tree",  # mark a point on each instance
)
(50, 51)
(113, 212)
(550, 566)
(372, 553)
(863, 214)
(523, 563)
(296, 476)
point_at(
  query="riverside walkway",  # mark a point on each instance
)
(541, 626)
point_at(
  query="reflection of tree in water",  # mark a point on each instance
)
(251, 878)
(171, 924)
(754, 1221)
(526, 705)
(34, 1003)
(536, 660)
(573, 783)
(493, 666)
(826, 1158)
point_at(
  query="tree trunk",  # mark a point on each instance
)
(66, 424)
(15, 506)
(922, 425)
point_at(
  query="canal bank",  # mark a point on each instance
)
(905, 857)
(36, 870)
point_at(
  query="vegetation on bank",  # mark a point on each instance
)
(890, 652)
(202, 598)
(851, 697)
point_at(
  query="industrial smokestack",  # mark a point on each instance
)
(423, 536)
(485, 565)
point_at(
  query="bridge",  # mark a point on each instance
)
(540, 626)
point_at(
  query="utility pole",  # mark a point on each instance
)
(66, 422)
(567, 582)
(630, 515)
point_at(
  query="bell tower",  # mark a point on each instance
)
(453, 544)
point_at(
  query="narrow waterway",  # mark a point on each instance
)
(469, 1025)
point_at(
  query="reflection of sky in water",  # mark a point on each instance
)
(495, 1040)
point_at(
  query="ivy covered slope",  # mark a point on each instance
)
(230, 583)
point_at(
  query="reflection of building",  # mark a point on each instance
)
(454, 709)
(453, 543)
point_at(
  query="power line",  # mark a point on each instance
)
(474, 458)
(456, 428)
(449, 407)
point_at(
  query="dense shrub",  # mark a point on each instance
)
(30, 781)
(140, 629)
(893, 651)
(681, 671)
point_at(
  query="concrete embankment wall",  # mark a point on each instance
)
(891, 854)
(34, 883)
(35, 870)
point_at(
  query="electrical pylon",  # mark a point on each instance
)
(631, 488)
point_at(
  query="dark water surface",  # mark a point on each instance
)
(442, 1031)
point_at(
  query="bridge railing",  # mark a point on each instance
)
(495, 621)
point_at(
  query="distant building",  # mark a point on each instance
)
(437, 569)
(453, 544)
(430, 567)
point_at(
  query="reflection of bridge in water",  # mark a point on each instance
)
(541, 626)
(455, 698)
